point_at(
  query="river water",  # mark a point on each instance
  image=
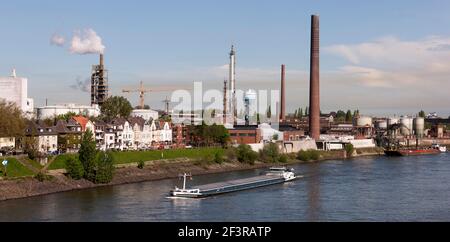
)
(362, 189)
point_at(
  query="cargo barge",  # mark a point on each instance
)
(434, 149)
(409, 152)
(272, 177)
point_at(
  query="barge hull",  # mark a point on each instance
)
(237, 185)
(410, 152)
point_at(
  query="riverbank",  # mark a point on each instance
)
(129, 173)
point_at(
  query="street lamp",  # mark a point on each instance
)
(5, 163)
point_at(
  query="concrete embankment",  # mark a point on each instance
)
(125, 174)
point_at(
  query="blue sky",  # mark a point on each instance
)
(177, 42)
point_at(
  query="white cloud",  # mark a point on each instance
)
(390, 62)
(86, 42)
(57, 40)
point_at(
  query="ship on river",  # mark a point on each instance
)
(434, 149)
(275, 175)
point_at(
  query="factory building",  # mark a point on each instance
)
(99, 83)
(245, 134)
(56, 110)
(15, 89)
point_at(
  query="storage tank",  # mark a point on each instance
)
(392, 121)
(382, 124)
(419, 126)
(363, 121)
(407, 125)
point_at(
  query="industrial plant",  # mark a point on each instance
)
(291, 132)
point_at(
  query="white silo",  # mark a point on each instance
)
(364, 121)
(382, 124)
(419, 126)
(407, 125)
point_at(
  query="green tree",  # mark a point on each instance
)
(31, 146)
(104, 168)
(341, 116)
(275, 137)
(213, 135)
(300, 113)
(12, 123)
(87, 155)
(269, 112)
(116, 107)
(270, 153)
(422, 114)
(258, 119)
(66, 117)
(245, 154)
(306, 111)
(296, 114)
(349, 149)
(74, 168)
(348, 116)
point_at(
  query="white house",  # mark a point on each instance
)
(46, 136)
(7, 142)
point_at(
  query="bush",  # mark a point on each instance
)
(218, 157)
(74, 168)
(308, 155)
(349, 149)
(231, 154)
(41, 177)
(141, 164)
(105, 168)
(314, 154)
(270, 153)
(245, 154)
(283, 159)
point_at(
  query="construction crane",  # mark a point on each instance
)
(142, 91)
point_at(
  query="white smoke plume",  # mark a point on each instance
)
(57, 40)
(86, 42)
(82, 86)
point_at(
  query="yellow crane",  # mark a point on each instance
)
(143, 90)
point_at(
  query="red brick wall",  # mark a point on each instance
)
(245, 136)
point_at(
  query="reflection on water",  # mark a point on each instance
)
(362, 189)
(313, 192)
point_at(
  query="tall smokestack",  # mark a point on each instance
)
(232, 80)
(101, 60)
(225, 101)
(283, 93)
(314, 95)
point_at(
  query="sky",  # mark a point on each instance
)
(382, 57)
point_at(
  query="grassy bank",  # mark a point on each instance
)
(15, 169)
(137, 156)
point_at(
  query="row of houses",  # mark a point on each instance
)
(120, 134)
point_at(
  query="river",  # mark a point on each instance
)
(361, 189)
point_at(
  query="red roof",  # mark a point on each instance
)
(81, 121)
